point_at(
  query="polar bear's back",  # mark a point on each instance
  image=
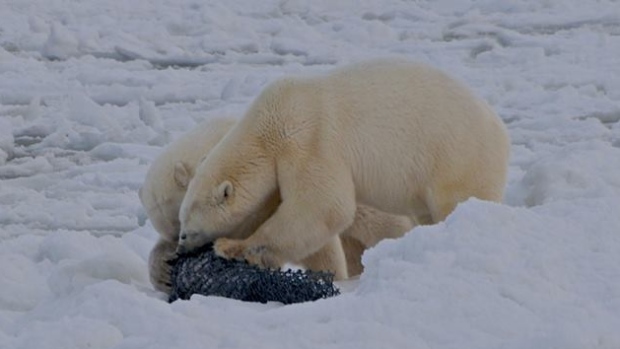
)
(412, 95)
(404, 115)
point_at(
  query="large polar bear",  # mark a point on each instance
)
(399, 136)
(166, 183)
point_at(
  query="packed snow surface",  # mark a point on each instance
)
(91, 92)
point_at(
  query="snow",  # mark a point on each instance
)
(91, 92)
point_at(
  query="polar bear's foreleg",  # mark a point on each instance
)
(318, 203)
(353, 251)
(331, 257)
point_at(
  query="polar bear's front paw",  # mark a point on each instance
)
(160, 269)
(161, 277)
(229, 248)
(240, 250)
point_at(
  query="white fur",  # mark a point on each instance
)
(165, 186)
(399, 136)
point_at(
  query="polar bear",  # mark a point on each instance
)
(166, 183)
(164, 187)
(398, 136)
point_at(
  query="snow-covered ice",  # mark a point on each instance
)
(91, 91)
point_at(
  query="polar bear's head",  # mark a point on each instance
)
(169, 175)
(162, 198)
(231, 194)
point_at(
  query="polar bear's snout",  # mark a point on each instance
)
(181, 249)
(190, 240)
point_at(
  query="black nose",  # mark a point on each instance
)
(183, 236)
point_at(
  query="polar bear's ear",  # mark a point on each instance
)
(224, 192)
(182, 174)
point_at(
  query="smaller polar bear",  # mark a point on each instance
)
(164, 188)
(166, 183)
(398, 136)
